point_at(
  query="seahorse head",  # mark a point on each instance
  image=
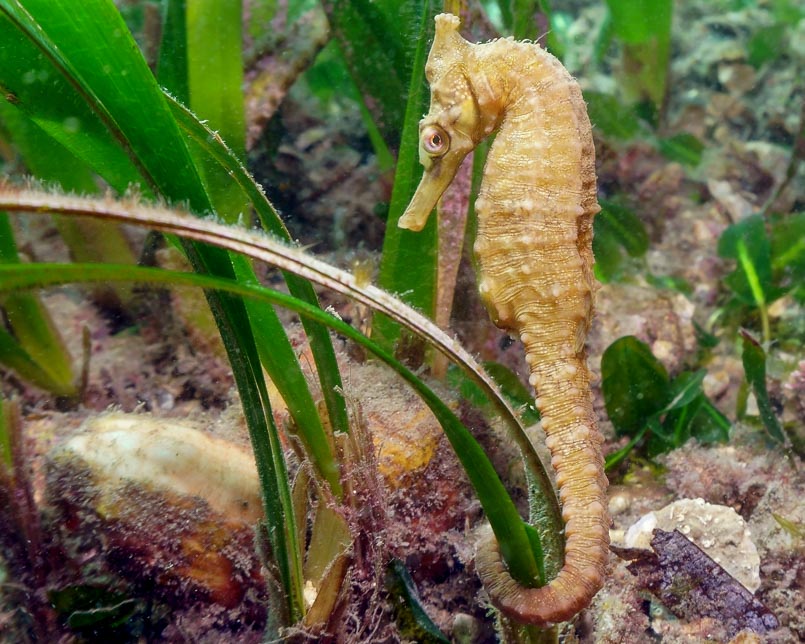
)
(454, 124)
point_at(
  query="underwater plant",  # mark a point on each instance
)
(646, 405)
(495, 499)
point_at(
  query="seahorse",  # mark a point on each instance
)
(533, 247)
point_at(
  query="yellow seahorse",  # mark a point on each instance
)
(533, 247)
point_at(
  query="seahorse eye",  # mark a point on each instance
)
(435, 140)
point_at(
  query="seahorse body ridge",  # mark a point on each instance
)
(534, 252)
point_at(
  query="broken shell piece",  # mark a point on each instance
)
(717, 529)
(166, 508)
(404, 431)
(122, 449)
(405, 440)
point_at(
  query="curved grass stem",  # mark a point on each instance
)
(263, 248)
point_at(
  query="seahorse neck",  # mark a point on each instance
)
(540, 143)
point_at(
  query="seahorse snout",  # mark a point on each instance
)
(435, 181)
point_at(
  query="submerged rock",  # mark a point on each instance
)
(717, 529)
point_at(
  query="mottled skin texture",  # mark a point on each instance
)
(533, 246)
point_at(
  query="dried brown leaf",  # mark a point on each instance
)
(692, 585)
